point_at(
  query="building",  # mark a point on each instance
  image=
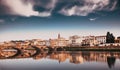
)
(117, 43)
(59, 42)
(47, 43)
(26, 43)
(117, 40)
(1, 43)
(89, 41)
(75, 40)
(93, 40)
(53, 43)
(38, 42)
(62, 41)
(101, 39)
(9, 43)
(86, 40)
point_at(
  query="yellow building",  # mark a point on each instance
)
(117, 40)
(59, 42)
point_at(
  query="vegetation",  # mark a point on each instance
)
(110, 38)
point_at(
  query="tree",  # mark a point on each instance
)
(110, 38)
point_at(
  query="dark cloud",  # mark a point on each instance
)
(45, 8)
(85, 7)
(2, 21)
(3, 8)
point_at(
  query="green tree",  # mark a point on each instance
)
(110, 38)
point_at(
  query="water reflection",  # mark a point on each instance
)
(77, 58)
(111, 61)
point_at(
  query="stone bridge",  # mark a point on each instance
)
(24, 51)
(13, 52)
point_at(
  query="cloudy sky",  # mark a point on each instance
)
(30, 19)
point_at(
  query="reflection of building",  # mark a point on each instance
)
(111, 61)
(76, 59)
(7, 53)
(40, 56)
(73, 57)
(62, 57)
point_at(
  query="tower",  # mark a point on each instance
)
(58, 36)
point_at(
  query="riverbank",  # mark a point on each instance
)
(90, 49)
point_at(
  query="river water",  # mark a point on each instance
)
(64, 60)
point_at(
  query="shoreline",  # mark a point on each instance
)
(89, 49)
(85, 48)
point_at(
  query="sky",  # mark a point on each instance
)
(44, 19)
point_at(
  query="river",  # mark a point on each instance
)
(64, 60)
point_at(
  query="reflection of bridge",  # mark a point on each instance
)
(18, 52)
(33, 51)
(9, 53)
(74, 57)
(24, 52)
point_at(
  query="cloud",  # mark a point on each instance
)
(44, 14)
(113, 5)
(18, 8)
(76, 10)
(46, 8)
(87, 7)
(92, 19)
(26, 8)
(2, 21)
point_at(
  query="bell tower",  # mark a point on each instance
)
(58, 36)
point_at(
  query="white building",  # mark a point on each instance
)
(76, 40)
(101, 39)
(47, 42)
(89, 41)
(59, 42)
(38, 42)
